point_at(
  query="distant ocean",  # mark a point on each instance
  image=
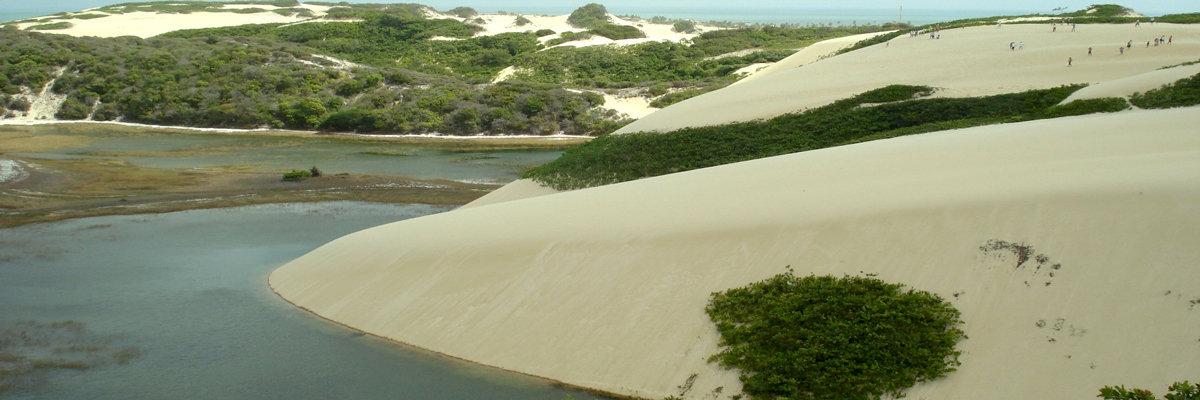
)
(749, 15)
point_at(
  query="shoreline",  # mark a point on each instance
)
(394, 342)
(557, 139)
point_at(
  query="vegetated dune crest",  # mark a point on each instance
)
(605, 287)
(964, 62)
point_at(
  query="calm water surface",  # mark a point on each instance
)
(182, 299)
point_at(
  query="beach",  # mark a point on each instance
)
(605, 287)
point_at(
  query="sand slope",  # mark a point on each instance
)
(605, 287)
(1125, 87)
(964, 62)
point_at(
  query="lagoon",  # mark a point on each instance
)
(176, 306)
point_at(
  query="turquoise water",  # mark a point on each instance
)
(182, 300)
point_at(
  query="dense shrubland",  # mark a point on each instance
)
(876, 114)
(248, 82)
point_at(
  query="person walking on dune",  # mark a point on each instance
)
(1069, 61)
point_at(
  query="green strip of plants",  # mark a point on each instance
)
(618, 158)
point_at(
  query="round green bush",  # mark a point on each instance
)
(820, 337)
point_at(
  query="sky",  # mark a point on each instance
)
(27, 8)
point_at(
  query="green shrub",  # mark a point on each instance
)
(50, 26)
(463, 12)
(1100, 10)
(675, 97)
(19, 104)
(1177, 391)
(618, 32)
(297, 175)
(522, 21)
(850, 338)
(684, 26)
(590, 15)
(73, 109)
(1189, 18)
(1181, 93)
(1088, 106)
(544, 32)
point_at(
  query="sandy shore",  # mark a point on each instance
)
(964, 62)
(605, 287)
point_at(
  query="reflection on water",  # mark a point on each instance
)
(177, 306)
(282, 153)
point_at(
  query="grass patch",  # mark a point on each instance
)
(1182, 93)
(88, 16)
(821, 337)
(50, 26)
(886, 112)
(675, 97)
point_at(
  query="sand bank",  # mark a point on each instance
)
(964, 62)
(605, 287)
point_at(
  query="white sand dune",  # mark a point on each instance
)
(605, 287)
(146, 24)
(808, 55)
(964, 62)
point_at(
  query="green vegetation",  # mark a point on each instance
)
(1177, 391)
(1190, 18)
(297, 175)
(241, 82)
(833, 338)
(463, 12)
(1089, 106)
(50, 26)
(1181, 93)
(675, 97)
(88, 16)
(619, 158)
(618, 32)
(1100, 10)
(684, 26)
(589, 16)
